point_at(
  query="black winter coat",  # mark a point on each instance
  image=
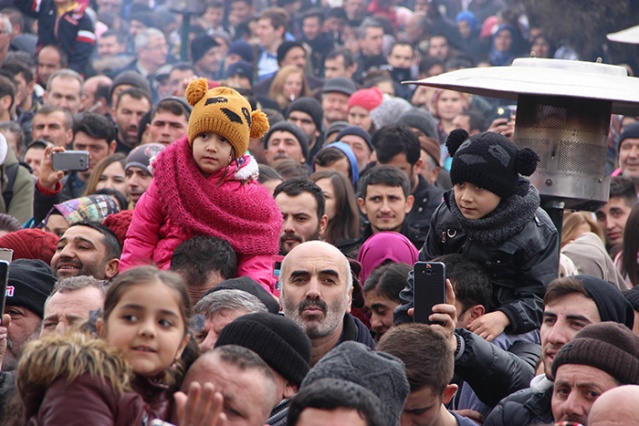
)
(523, 408)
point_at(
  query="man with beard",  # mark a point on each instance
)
(87, 248)
(303, 206)
(128, 111)
(29, 284)
(285, 140)
(317, 289)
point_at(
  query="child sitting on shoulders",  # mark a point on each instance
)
(206, 184)
(492, 216)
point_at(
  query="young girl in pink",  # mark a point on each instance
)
(205, 184)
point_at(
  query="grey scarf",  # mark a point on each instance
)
(508, 219)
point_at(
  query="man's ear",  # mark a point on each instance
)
(448, 393)
(362, 206)
(476, 311)
(410, 200)
(111, 269)
(290, 390)
(100, 327)
(112, 147)
(322, 224)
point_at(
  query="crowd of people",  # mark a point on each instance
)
(218, 223)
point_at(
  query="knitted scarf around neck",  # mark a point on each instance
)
(508, 219)
(242, 212)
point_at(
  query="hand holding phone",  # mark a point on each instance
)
(429, 289)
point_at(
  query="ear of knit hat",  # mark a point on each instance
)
(310, 106)
(278, 340)
(30, 283)
(489, 160)
(30, 244)
(607, 346)
(381, 373)
(369, 99)
(225, 112)
(285, 126)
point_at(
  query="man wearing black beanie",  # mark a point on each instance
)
(308, 115)
(30, 283)
(282, 344)
(570, 304)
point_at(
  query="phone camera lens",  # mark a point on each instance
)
(428, 271)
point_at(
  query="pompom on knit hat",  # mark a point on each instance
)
(489, 160)
(369, 99)
(310, 106)
(278, 340)
(225, 112)
(30, 244)
(607, 346)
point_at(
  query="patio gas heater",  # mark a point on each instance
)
(563, 114)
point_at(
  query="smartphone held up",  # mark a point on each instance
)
(429, 289)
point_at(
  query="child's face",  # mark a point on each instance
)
(211, 152)
(475, 202)
(146, 325)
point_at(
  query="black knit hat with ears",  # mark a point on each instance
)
(607, 346)
(278, 340)
(489, 160)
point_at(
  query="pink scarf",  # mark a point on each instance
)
(243, 212)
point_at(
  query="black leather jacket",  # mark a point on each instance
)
(520, 268)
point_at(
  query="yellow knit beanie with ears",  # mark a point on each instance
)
(225, 112)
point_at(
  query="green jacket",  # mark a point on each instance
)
(21, 205)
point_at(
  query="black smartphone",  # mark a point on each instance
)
(4, 279)
(76, 161)
(429, 289)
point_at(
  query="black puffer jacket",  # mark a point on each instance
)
(520, 268)
(527, 407)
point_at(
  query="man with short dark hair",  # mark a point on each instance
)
(87, 248)
(397, 145)
(169, 121)
(613, 215)
(270, 30)
(429, 363)
(335, 401)
(339, 63)
(128, 111)
(370, 35)
(302, 204)
(385, 200)
(314, 35)
(204, 261)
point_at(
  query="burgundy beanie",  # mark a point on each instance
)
(119, 223)
(369, 99)
(34, 244)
